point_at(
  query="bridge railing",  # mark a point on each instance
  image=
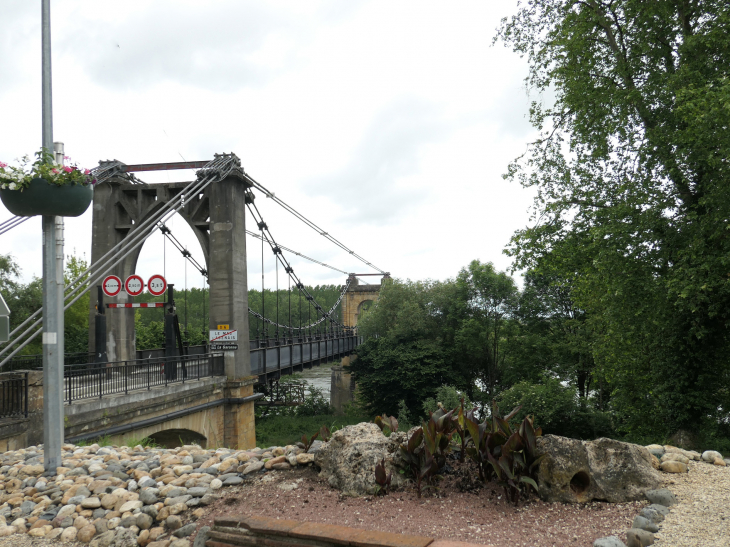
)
(291, 353)
(14, 395)
(97, 380)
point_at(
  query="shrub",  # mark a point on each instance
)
(449, 397)
(559, 409)
(315, 404)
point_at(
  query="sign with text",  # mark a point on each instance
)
(111, 285)
(134, 285)
(223, 336)
(157, 285)
(223, 347)
(224, 327)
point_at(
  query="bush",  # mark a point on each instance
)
(558, 409)
(448, 396)
(315, 404)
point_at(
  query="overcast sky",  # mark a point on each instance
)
(387, 123)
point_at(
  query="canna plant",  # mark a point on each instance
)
(419, 459)
(503, 453)
(307, 442)
(386, 421)
(437, 433)
(382, 478)
(324, 433)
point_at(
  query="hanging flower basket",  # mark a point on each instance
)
(45, 188)
(42, 198)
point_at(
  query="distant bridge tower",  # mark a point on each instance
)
(342, 388)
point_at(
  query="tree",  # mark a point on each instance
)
(632, 203)
(489, 301)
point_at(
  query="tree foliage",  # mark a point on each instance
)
(632, 207)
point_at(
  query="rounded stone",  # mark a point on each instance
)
(69, 534)
(173, 522)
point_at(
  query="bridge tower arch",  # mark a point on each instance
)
(217, 217)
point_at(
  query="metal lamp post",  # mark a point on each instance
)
(53, 327)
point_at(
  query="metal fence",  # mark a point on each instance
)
(14, 396)
(97, 380)
(285, 356)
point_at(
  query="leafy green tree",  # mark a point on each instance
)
(489, 302)
(632, 203)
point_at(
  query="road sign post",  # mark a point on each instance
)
(4, 320)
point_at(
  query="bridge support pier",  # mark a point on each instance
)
(342, 388)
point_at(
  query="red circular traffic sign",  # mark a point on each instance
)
(134, 285)
(111, 285)
(157, 285)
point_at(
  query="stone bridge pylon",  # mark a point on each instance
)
(216, 215)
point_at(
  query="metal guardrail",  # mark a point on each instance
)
(14, 396)
(95, 380)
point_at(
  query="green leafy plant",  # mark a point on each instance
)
(382, 478)
(44, 167)
(385, 421)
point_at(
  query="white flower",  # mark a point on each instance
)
(12, 186)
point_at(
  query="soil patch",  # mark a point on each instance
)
(460, 509)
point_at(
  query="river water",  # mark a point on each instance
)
(319, 377)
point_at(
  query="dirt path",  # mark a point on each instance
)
(479, 516)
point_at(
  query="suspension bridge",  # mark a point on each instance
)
(205, 392)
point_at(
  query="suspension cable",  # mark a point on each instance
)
(11, 223)
(309, 223)
(279, 256)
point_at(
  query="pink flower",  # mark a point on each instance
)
(66, 158)
(3, 164)
(87, 172)
(67, 169)
(54, 171)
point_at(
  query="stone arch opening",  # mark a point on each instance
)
(175, 438)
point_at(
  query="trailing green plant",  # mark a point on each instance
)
(382, 478)
(419, 459)
(507, 455)
(391, 422)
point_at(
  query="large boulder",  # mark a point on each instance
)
(581, 471)
(348, 460)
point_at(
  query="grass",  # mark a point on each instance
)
(284, 430)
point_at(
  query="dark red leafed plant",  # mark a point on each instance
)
(505, 454)
(382, 478)
(419, 459)
(386, 421)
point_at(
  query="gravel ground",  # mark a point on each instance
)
(702, 516)
(480, 516)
